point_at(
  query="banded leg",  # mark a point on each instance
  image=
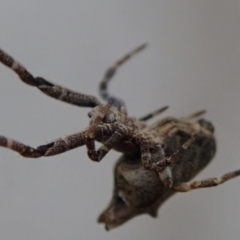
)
(211, 182)
(153, 114)
(163, 167)
(162, 164)
(47, 87)
(58, 146)
(147, 157)
(117, 102)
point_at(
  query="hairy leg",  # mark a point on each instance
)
(211, 182)
(47, 87)
(117, 132)
(58, 146)
(162, 164)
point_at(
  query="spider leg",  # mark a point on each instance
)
(146, 157)
(117, 102)
(50, 89)
(58, 146)
(162, 164)
(163, 167)
(211, 182)
(195, 115)
(118, 132)
(153, 114)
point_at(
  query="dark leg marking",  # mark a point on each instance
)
(117, 102)
(47, 87)
(57, 147)
(153, 114)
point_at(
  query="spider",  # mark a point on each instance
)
(158, 160)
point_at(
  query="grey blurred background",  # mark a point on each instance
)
(192, 63)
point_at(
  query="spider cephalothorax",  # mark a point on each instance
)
(157, 161)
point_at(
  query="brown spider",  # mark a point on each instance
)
(157, 160)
